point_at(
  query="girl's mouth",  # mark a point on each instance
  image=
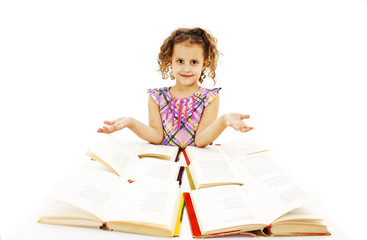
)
(186, 76)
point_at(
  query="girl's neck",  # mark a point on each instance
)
(178, 91)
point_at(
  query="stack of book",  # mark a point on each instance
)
(236, 188)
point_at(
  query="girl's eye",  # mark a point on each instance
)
(194, 62)
(180, 61)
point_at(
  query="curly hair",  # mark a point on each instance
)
(191, 36)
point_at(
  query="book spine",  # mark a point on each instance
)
(189, 178)
(180, 174)
(178, 155)
(179, 218)
(195, 229)
(186, 157)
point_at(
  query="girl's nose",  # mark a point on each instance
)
(186, 67)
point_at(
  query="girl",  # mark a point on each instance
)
(184, 114)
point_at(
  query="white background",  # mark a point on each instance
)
(298, 67)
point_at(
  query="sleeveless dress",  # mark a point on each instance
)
(181, 117)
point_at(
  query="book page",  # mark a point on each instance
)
(257, 166)
(89, 188)
(207, 153)
(304, 213)
(151, 168)
(65, 214)
(213, 171)
(274, 190)
(224, 207)
(280, 193)
(151, 150)
(154, 202)
(64, 210)
(241, 147)
(112, 151)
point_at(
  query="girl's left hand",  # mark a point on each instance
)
(235, 120)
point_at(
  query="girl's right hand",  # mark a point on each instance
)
(116, 125)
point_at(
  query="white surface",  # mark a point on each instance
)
(299, 68)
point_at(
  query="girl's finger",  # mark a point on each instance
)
(109, 122)
(244, 116)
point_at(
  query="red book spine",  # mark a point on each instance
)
(195, 230)
(186, 157)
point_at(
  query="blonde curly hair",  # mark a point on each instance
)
(191, 36)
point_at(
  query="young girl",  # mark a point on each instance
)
(186, 113)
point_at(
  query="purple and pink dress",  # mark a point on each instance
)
(181, 117)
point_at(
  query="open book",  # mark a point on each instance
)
(96, 197)
(110, 145)
(218, 165)
(220, 170)
(230, 150)
(234, 209)
(123, 158)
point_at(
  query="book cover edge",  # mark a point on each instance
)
(179, 217)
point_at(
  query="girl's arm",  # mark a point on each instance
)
(210, 127)
(152, 133)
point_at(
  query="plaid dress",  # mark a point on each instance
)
(181, 117)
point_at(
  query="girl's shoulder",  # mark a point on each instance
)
(207, 94)
(158, 91)
(159, 95)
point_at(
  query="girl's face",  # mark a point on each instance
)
(187, 63)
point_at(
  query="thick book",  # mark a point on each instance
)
(96, 197)
(122, 157)
(233, 209)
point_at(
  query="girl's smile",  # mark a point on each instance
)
(186, 76)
